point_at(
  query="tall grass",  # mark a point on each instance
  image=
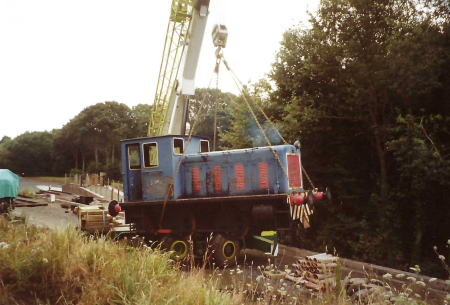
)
(66, 267)
(38, 266)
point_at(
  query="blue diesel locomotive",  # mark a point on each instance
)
(228, 194)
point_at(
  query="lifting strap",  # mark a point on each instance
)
(215, 102)
(243, 90)
(256, 120)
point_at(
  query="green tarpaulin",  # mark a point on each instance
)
(9, 184)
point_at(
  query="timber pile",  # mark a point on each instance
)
(95, 219)
(315, 272)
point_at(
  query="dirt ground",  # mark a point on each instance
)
(32, 183)
(51, 216)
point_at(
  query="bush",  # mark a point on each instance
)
(29, 193)
(75, 171)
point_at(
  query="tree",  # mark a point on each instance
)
(244, 131)
(95, 134)
(5, 152)
(31, 153)
(205, 122)
(421, 149)
(140, 116)
(340, 86)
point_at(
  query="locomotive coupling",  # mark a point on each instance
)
(302, 205)
(114, 208)
(310, 197)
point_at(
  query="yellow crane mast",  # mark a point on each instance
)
(184, 38)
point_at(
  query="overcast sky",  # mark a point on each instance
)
(59, 57)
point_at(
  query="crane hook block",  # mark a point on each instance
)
(220, 35)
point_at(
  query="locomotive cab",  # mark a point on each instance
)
(150, 163)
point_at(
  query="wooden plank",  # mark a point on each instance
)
(83, 213)
(30, 205)
(26, 201)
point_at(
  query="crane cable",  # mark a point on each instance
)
(257, 122)
(170, 187)
(243, 90)
(215, 102)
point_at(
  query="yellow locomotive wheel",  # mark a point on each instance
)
(179, 249)
(226, 251)
(229, 249)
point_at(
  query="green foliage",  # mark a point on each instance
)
(205, 123)
(420, 147)
(5, 153)
(140, 116)
(93, 167)
(91, 140)
(74, 171)
(114, 170)
(31, 153)
(244, 131)
(366, 89)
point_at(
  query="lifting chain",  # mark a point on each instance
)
(234, 76)
(197, 115)
(309, 179)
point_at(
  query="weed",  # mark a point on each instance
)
(28, 193)
(38, 266)
(42, 266)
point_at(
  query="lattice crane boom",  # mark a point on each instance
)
(182, 47)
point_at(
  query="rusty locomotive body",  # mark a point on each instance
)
(230, 194)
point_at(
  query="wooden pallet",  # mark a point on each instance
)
(93, 219)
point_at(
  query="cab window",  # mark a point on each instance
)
(178, 146)
(134, 160)
(204, 146)
(150, 155)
